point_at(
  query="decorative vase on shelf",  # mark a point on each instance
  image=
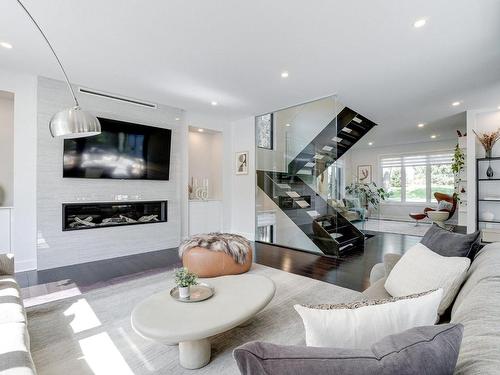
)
(489, 171)
(487, 154)
(487, 216)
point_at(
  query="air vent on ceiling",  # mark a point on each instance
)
(116, 97)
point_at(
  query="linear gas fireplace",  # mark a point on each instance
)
(78, 216)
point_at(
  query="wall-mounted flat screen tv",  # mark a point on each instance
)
(122, 151)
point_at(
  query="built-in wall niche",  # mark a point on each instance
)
(205, 164)
(6, 149)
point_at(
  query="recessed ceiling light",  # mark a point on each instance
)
(421, 125)
(6, 45)
(177, 119)
(214, 103)
(419, 23)
(455, 104)
(201, 130)
(284, 74)
(370, 143)
(433, 136)
(287, 125)
(498, 107)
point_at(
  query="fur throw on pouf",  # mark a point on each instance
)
(231, 244)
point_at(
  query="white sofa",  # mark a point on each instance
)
(15, 356)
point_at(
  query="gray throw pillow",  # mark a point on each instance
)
(430, 350)
(451, 244)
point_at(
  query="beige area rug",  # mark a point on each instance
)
(91, 333)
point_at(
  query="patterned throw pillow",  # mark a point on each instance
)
(361, 324)
(444, 206)
(352, 202)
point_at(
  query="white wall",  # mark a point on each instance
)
(6, 149)
(23, 228)
(243, 186)
(205, 160)
(57, 248)
(371, 156)
(223, 125)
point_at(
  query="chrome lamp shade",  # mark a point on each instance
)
(74, 123)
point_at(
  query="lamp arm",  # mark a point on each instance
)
(54, 52)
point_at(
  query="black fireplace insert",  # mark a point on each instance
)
(78, 216)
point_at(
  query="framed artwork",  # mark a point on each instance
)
(365, 174)
(242, 162)
(264, 129)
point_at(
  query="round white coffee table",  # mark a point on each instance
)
(237, 298)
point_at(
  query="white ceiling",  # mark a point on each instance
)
(189, 53)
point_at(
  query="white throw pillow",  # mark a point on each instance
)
(361, 324)
(421, 269)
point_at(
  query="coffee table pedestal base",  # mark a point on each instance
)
(194, 354)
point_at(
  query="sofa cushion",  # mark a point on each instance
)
(360, 324)
(9, 287)
(11, 305)
(451, 244)
(15, 357)
(477, 307)
(409, 353)
(377, 290)
(421, 269)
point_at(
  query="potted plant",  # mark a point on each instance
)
(184, 280)
(370, 193)
(457, 166)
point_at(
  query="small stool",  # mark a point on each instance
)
(417, 216)
(216, 254)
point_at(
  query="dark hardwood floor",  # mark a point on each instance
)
(351, 270)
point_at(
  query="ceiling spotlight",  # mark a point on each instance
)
(177, 119)
(370, 143)
(455, 104)
(201, 130)
(419, 23)
(433, 136)
(498, 107)
(214, 103)
(6, 45)
(284, 74)
(421, 125)
(287, 125)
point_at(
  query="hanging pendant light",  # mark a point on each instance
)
(70, 122)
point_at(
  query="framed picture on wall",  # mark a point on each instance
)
(242, 162)
(365, 174)
(264, 130)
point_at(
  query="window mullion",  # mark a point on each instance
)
(428, 179)
(403, 183)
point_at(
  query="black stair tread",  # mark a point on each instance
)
(335, 229)
(349, 241)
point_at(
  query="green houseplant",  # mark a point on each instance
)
(369, 193)
(457, 166)
(184, 280)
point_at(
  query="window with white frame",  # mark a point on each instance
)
(414, 178)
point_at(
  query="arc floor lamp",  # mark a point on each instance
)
(70, 122)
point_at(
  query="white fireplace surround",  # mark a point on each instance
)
(56, 248)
